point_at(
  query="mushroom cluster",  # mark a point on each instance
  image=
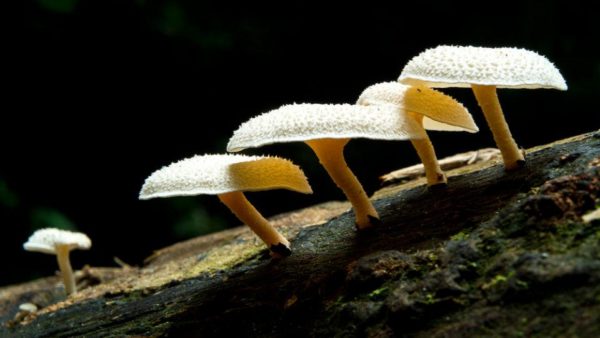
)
(428, 108)
(401, 110)
(326, 129)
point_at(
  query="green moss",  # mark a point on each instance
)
(461, 236)
(432, 257)
(379, 294)
(224, 258)
(430, 298)
(494, 281)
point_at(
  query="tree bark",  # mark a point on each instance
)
(495, 253)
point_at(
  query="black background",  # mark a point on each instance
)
(99, 93)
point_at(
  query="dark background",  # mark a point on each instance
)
(99, 94)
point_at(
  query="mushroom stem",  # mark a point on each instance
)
(331, 155)
(488, 101)
(62, 255)
(424, 148)
(237, 202)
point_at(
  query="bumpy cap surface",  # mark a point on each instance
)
(217, 174)
(47, 240)
(304, 122)
(456, 66)
(440, 111)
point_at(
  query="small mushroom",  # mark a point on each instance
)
(327, 128)
(60, 243)
(25, 309)
(228, 176)
(28, 307)
(430, 109)
(484, 70)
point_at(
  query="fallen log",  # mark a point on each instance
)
(494, 254)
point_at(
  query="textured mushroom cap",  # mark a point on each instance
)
(47, 240)
(304, 122)
(440, 111)
(218, 174)
(456, 66)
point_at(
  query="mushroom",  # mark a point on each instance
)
(484, 70)
(59, 242)
(327, 128)
(25, 310)
(431, 110)
(228, 176)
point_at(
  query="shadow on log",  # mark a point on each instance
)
(493, 254)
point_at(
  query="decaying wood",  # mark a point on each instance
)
(493, 254)
(446, 163)
(591, 216)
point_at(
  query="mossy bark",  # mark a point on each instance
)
(494, 254)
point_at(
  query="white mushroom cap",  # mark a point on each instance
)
(304, 122)
(456, 66)
(218, 174)
(47, 240)
(440, 111)
(28, 307)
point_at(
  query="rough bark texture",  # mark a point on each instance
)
(493, 254)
